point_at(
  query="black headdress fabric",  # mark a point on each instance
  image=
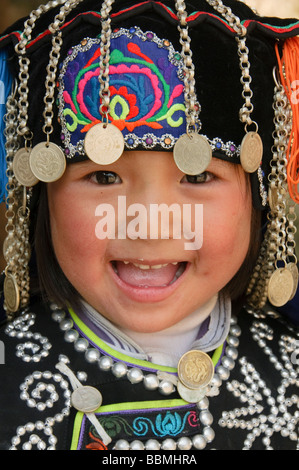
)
(215, 57)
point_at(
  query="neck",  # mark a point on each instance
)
(204, 329)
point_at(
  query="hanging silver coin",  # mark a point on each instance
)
(192, 153)
(11, 293)
(251, 152)
(47, 162)
(280, 287)
(195, 369)
(86, 399)
(104, 144)
(22, 169)
(292, 267)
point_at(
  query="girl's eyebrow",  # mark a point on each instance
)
(216, 163)
(87, 165)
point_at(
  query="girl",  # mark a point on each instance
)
(151, 147)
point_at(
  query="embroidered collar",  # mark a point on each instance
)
(193, 333)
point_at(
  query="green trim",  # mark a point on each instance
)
(123, 357)
(76, 430)
(217, 354)
(118, 355)
(129, 406)
(142, 405)
(285, 27)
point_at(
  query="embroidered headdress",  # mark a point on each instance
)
(195, 78)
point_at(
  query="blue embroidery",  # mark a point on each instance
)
(170, 424)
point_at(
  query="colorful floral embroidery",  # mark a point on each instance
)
(115, 425)
(146, 86)
(169, 424)
(143, 424)
(96, 443)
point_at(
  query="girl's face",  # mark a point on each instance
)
(139, 281)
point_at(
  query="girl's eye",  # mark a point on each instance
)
(204, 177)
(105, 177)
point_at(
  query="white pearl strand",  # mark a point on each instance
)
(156, 381)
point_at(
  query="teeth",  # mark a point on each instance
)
(178, 273)
(147, 266)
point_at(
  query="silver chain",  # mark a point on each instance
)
(105, 58)
(17, 250)
(15, 247)
(24, 64)
(55, 29)
(273, 247)
(192, 106)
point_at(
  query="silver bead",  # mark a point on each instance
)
(231, 352)
(228, 363)
(216, 381)
(92, 355)
(59, 417)
(71, 336)
(152, 444)
(81, 345)
(81, 376)
(136, 445)
(206, 418)
(122, 444)
(105, 363)
(266, 441)
(27, 446)
(135, 375)
(233, 341)
(235, 330)
(39, 425)
(15, 441)
(31, 403)
(184, 443)
(209, 434)
(41, 406)
(166, 388)
(29, 427)
(66, 325)
(199, 442)
(34, 439)
(203, 404)
(119, 369)
(41, 445)
(223, 372)
(168, 444)
(151, 382)
(58, 316)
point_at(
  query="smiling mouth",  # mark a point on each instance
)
(146, 275)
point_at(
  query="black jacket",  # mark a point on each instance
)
(255, 409)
